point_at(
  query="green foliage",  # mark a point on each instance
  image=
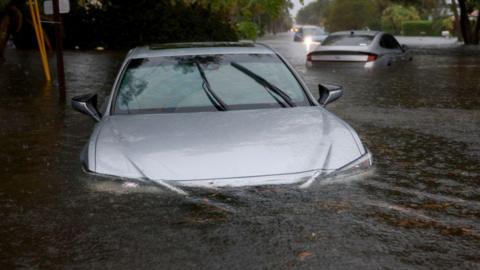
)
(425, 8)
(352, 14)
(265, 13)
(395, 15)
(448, 24)
(442, 24)
(417, 28)
(313, 13)
(391, 15)
(247, 30)
(125, 24)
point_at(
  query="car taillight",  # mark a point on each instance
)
(309, 57)
(371, 57)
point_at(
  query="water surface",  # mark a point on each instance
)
(419, 208)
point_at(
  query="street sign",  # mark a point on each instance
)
(64, 6)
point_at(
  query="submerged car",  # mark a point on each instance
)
(217, 114)
(367, 48)
(310, 34)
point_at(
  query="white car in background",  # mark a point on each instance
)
(368, 48)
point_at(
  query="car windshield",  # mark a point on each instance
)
(348, 40)
(176, 84)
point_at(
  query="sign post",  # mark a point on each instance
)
(37, 26)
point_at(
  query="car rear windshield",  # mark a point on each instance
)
(348, 40)
(175, 84)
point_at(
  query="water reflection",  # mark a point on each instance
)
(310, 45)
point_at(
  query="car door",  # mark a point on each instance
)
(400, 53)
(403, 54)
(392, 50)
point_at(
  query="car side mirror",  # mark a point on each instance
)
(329, 93)
(404, 47)
(87, 104)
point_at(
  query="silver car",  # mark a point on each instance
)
(217, 114)
(367, 48)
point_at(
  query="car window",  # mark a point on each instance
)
(174, 84)
(348, 40)
(389, 42)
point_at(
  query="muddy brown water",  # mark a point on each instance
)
(418, 209)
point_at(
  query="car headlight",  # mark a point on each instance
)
(359, 165)
(356, 167)
(307, 40)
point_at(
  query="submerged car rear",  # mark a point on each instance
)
(347, 47)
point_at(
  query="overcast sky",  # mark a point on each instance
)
(297, 6)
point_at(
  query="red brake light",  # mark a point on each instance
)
(371, 57)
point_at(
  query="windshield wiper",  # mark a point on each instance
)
(214, 98)
(285, 97)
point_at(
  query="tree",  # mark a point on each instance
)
(122, 24)
(126, 23)
(395, 15)
(352, 14)
(10, 22)
(313, 13)
(470, 29)
(265, 14)
(426, 8)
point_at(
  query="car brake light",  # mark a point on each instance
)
(371, 57)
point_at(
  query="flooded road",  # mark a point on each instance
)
(419, 208)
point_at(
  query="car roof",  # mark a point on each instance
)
(358, 33)
(200, 48)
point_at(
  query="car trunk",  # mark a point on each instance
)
(341, 54)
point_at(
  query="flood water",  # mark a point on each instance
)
(418, 209)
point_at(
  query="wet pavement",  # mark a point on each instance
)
(418, 209)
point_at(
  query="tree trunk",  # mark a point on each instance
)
(4, 33)
(10, 22)
(457, 28)
(476, 33)
(465, 23)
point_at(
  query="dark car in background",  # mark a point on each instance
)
(310, 33)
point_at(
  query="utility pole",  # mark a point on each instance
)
(59, 50)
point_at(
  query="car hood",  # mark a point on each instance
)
(222, 145)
